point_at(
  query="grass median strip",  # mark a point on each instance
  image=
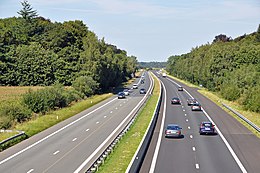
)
(120, 158)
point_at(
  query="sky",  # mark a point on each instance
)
(151, 30)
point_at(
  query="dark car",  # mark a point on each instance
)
(207, 128)
(173, 130)
(121, 95)
(191, 101)
(175, 100)
(196, 107)
(142, 81)
(142, 91)
(180, 88)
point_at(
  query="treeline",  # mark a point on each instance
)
(152, 64)
(228, 66)
(36, 51)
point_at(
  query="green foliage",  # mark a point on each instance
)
(27, 12)
(85, 85)
(14, 111)
(152, 64)
(230, 67)
(40, 52)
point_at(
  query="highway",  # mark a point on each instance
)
(233, 150)
(73, 145)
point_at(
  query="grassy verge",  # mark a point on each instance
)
(252, 116)
(119, 160)
(41, 123)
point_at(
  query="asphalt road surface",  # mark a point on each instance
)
(233, 150)
(80, 139)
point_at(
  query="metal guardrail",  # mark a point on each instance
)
(139, 157)
(110, 148)
(21, 133)
(242, 117)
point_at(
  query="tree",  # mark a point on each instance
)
(27, 11)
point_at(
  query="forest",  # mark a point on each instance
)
(230, 67)
(36, 51)
(67, 59)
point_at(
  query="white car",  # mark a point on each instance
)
(135, 86)
(126, 91)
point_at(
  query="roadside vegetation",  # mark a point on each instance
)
(47, 67)
(228, 67)
(127, 147)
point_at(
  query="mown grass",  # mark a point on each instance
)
(216, 98)
(43, 122)
(119, 160)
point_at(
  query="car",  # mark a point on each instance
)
(142, 91)
(175, 100)
(180, 88)
(142, 81)
(191, 101)
(135, 86)
(121, 95)
(173, 130)
(164, 75)
(196, 107)
(126, 91)
(207, 128)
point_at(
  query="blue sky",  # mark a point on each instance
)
(151, 30)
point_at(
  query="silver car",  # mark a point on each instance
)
(173, 130)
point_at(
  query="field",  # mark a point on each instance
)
(14, 92)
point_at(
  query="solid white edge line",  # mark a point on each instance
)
(111, 135)
(241, 166)
(134, 157)
(156, 152)
(56, 152)
(31, 170)
(197, 166)
(52, 134)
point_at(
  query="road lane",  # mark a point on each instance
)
(178, 155)
(74, 143)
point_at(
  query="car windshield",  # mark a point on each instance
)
(173, 127)
(175, 98)
(207, 124)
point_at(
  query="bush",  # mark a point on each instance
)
(230, 91)
(50, 98)
(252, 102)
(86, 85)
(5, 122)
(14, 111)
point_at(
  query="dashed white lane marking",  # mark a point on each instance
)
(182, 106)
(191, 136)
(193, 149)
(111, 112)
(56, 152)
(197, 166)
(74, 139)
(87, 130)
(187, 120)
(105, 116)
(124, 102)
(97, 122)
(120, 105)
(188, 127)
(183, 110)
(31, 170)
(185, 115)
(116, 108)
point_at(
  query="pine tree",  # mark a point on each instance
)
(27, 11)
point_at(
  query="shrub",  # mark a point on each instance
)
(5, 122)
(15, 111)
(86, 85)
